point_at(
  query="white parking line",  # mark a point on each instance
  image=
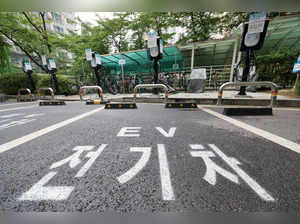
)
(267, 135)
(166, 185)
(17, 108)
(9, 145)
(9, 104)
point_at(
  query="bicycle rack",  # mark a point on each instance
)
(249, 110)
(24, 97)
(89, 101)
(50, 101)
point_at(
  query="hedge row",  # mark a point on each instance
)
(10, 83)
(297, 90)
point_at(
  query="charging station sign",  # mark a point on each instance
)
(44, 61)
(88, 54)
(52, 64)
(151, 39)
(27, 66)
(122, 62)
(98, 59)
(296, 68)
(257, 22)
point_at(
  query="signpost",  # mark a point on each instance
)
(257, 22)
(122, 62)
(88, 54)
(296, 70)
(252, 39)
(44, 60)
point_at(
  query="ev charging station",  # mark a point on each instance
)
(51, 68)
(254, 33)
(155, 53)
(27, 68)
(94, 61)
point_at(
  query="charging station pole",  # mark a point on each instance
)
(245, 72)
(253, 36)
(154, 51)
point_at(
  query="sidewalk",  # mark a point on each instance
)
(205, 95)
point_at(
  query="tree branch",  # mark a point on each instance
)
(26, 52)
(29, 20)
(42, 14)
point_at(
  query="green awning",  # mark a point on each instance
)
(137, 62)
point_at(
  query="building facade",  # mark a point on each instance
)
(59, 23)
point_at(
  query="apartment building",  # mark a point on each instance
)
(60, 23)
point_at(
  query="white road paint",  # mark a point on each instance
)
(93, 156)
(16, 123)
(166, 185)
(73, 160)
(138, 166)
(212, 168)
(197, 146)
(14, 143)
(9, 104)
(129, 132)
(267, 135)
(38, 192)
(17, 108)
(10, 115)
(33, 115)
(233, 163)
(2, 121)
(169, 134)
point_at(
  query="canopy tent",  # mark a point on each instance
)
(283, 34)
(137, 62)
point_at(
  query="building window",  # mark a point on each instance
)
(56, 17)
(58, 29)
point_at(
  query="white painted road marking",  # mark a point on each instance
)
(17, 108)
(38, 192)
(15, 123)
(267, 135)
(233, 163)
(9, 104)
(74, 159)
(166, 185)
(138, 166)
(33, 115)
(2, 121)
(169, 134)
(10, 115)
(128, 132)
(9, 145)
(93, 156)
(212, 168)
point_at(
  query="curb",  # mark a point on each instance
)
(213, 101)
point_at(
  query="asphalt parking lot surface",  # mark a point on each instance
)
(81, 157)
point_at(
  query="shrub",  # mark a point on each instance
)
(65, 85)
(10, 83)
(297, 90)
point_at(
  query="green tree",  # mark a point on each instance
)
(115, 30)
(28, 31)
(198, 26)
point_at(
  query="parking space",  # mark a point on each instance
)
(145, 159)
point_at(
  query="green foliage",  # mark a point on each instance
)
(277, 67)
(65, 84)
(199, 26)
(10, 83)
(297, 90)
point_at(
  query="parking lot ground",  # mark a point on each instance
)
(81, 157)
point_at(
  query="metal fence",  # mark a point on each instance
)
(222, 75)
